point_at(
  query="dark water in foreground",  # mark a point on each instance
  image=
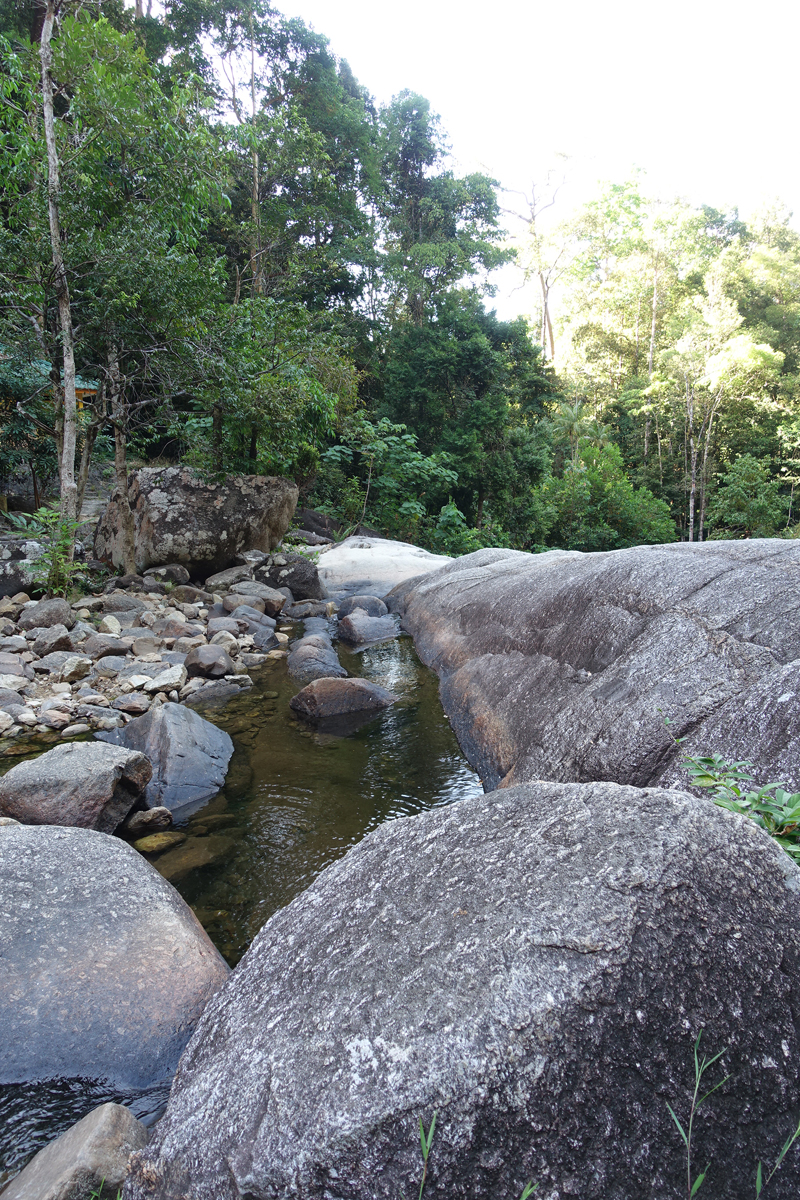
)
(294, 800)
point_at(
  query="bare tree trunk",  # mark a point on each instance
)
(692, 457)
(118, 416)
(89, 438)
(704, 469)
(547, 324)
(69, 490)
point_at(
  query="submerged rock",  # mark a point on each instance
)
(189, 755)
(105, 968)
(563, 666)
(358, 628)
(85, 784)
(89, 1160)
(534, 966)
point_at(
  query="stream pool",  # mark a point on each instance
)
(294, 800)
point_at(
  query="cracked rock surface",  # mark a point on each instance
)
(563, 665)
(534, 966)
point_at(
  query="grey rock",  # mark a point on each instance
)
(294, 571)
(101, 644)
(225, 580)
(236, 599)
(109, 666)
(74, 668)
(314, 657)
(169, 678)
(181, 517)
(325, 698)
(53, 664)
(304, 609)
(231, 625)
(90, 1159)
(367, 565)
(55, 638)
(358, 628)
(105, 968)
(563, 666)
(169, 573)
(18, 568)
(189, 756)
(12, 664)
(85, 784)
(273, 600)
(122, 602)
(217, 693)
(534, 966)
(148, 820)
(212, 662)
(373, 606)
(47, 613)
(8, 697)
(252, 617)
(190, 595)
(134, 703)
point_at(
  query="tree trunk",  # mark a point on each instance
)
(116, 388)
(704, 469)
(69, 490)
(89, 438)
(692, 458)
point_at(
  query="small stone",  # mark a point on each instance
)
(110, 624)
(74, 730)
(74, 668)
(138, 681)
(6, 722)
(4, 821)
(173, 677)
(145, 645)
(225, 639)
(154, 842)
(61, 689)
(135, 703)
(233, 600)
(47, 613)
(148, 821)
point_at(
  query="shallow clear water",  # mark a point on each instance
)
(294, 800)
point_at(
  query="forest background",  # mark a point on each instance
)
(264, 271)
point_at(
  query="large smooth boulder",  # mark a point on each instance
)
(373, 566)
(534, 966)
(179, 517)
(293, 571)
(358, 628)
(189, 755)
(18, 564)
(85, 784)
(210, 662)
(325, 698)
(105, 968)
(373, 606)
(89, 1160)
(564, 666)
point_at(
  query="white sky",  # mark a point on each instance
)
(702, 95)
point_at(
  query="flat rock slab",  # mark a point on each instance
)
(373, 566)
(532, 965)
(563, 666)
(85, 784)
(105, 968)
(189, 755)
(90, 1159)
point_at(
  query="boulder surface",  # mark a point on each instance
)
(90, 1159)
(313, 657)
(202, 525)
(293, 571)
(373, 565)
(105, 968)
(534, 966)
(189, 755)
(564, 665)
(323, 698)
(85, 784)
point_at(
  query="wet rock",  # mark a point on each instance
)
(90, 1159)
(193, 854)
(214, 694)
(89, 785)
(373, 606)
(373, 566)
(148, 820)
(105, 969)
(314, 657)
(563, 666)
(212, 662)
(358, 628)
(154, 843)
(336, 697)
(181, 517)
(294, 571)
(47, 613)
(533, 960)
(304, 609)
(55, 638)
(189, 756)
(134, 703)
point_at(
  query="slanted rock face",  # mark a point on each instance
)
(189, 755)
(563, 666)
(181, 518)
(86, 784)
(105, 968)
(534, 966)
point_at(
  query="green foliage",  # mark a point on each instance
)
(749, 502)
(55, 569)
(772, 806)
